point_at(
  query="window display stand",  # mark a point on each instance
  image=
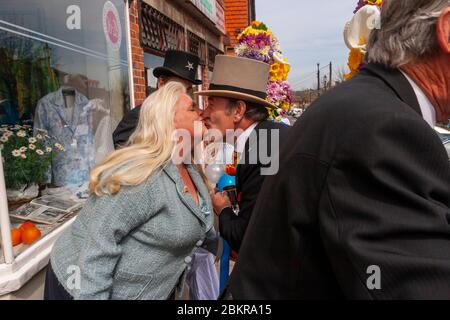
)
(19, 266)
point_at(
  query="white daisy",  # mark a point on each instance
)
(39, 136)
(16, 153)
(8, 134)
(40, 152)
(32, 140)
(23, 149)
(4, 139)
(49, 149)
(23, 156)
(32, 147)
(21, 134)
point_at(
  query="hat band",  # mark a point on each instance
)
(259, 94)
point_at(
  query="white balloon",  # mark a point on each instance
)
(214, 172)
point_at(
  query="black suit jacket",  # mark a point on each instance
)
(268, 135)
(126, 127)
(364, 183)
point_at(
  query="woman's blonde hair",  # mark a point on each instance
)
(149, 148)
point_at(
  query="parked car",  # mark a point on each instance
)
(295, 112)
(445, 137)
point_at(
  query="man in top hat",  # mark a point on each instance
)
(361, 206)
(237, 102)
(179, 66)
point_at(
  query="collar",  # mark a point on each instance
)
(242, 139)
(428, 111)
(395, 80)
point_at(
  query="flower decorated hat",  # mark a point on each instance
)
(239, 78)
(366, 17)
(259, 43)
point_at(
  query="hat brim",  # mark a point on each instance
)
(235, 95)
(160, 71)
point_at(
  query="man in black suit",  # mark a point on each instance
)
(179, 66)
(237, 110)
(361, 206)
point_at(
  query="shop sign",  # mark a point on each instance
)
(207, 7)
(220, 18)
(111, 26)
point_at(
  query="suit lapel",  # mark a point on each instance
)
(397, 82)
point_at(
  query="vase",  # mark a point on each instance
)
(22, 195)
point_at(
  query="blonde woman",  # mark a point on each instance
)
(146, 216)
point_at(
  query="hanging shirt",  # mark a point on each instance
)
(72, 166)
(100, 120)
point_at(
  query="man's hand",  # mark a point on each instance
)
(220, 201)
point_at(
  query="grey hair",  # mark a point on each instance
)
(407, 33)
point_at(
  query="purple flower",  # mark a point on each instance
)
(279, 92)
(361, 3)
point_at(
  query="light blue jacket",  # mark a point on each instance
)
(135, 244)
(72, 166)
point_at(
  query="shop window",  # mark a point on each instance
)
(63, 89)
(151, 62)
(197, 46)
(212, 53)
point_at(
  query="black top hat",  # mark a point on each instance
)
(181, 64)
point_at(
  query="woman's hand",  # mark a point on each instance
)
(220, 201)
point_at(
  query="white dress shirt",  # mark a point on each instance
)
(428, 111)
(242, 139)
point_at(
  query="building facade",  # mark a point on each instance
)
(238, 16)
(196, 26)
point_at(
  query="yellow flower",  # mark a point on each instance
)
(49, 149)
(355, 60)
(375, 2)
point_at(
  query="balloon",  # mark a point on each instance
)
(214, 172)
(219, 153)
(226, 181)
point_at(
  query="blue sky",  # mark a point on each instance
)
(310, 32)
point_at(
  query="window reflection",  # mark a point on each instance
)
(64, 77)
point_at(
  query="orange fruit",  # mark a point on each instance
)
(16, 237)
(30, 235)
(27, 225)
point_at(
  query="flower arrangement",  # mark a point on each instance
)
(26, 158)
(258, 42)
(356, 56)
(280, 95)
(362, 3)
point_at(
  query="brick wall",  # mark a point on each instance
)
(137, 55)
(236, 17)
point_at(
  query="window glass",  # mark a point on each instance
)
(151, 62)
(63, 89)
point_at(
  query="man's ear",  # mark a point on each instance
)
(239, 111)
(443, 31)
